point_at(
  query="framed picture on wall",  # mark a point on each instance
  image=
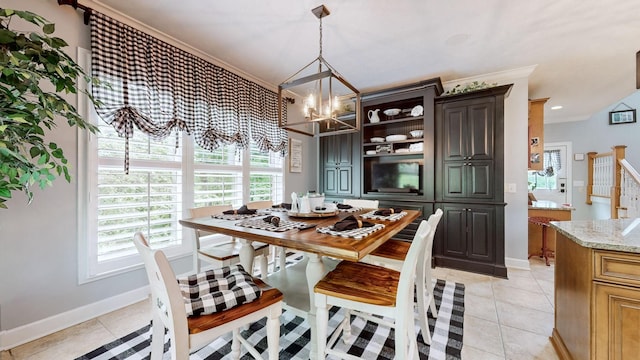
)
(622, 117)
(295, 155)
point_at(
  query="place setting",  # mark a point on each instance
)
(242, 212)
(390, 214)
(275, 224)
(351, 227)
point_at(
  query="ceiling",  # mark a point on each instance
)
(583, 50)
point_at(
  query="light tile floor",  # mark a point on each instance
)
(504, 319)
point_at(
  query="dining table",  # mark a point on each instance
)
(310, 234)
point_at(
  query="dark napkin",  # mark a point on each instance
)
(343, 206)
(274, 220)
(243, 210)
(350, 223)
(282, 206)
(387, 212)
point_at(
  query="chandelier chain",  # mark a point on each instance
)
(320, 36)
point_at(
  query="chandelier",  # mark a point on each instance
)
(330, 104)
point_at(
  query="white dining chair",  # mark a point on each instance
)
(383, 292)
(226, 250)
(278, 254)
(362, 203)
(392, 254)
(191, 333)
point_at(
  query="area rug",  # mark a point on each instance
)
(369, 341)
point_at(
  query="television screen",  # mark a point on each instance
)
(396, 177)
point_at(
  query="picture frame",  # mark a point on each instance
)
(622, 117)
(295, 155)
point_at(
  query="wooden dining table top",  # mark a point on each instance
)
(309, 240)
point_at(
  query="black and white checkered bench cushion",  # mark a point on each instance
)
(217, 290)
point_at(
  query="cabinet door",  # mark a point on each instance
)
(479, 179)
(343, 149)
(470, 179)
(617, 315)
(481, 233)
(344, 180)
(327, 151)
(453, 127)
(336, 150)
(455, 231)
(481, 117)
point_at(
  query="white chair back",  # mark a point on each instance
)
(166, 298)
(422, 238)
(262, 204)
(362, 203)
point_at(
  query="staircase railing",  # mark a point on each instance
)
(629, 191)
(612, 177)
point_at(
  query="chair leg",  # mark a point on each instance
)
(263, 263)
(273, 333)
(346, 328)
(157, 339)
(322, 322)
(235, 344)
(282, 257)
(422, 311)
(401, 338)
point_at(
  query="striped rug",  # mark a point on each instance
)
(369, 340)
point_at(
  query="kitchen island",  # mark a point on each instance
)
(597, 289)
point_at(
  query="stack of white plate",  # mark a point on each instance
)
(416, 147)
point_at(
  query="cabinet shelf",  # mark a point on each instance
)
(394, 121)
(394, 154)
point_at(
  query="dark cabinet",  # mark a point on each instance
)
(468, 133)
(470, 231)
(470, 180)
(338, 164)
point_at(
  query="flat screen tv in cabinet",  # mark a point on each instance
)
(469, 181)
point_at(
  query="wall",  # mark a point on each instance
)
(39, 290)
(595, 134)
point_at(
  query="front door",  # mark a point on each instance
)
(553, 183)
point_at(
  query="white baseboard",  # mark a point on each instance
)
(517, 263)
(29, 332)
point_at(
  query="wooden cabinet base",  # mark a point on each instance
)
(465, 264)
(559, 346)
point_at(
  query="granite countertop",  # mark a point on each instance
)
(619, 234)
(549, 205)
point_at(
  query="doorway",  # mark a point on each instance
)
(553, 182)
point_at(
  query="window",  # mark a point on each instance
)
(163, 182)
(548, 178)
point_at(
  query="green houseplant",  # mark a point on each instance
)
(34, 72)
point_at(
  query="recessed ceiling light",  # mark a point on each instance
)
(557, 107)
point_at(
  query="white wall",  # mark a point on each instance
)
(595, 134)
(38, 242)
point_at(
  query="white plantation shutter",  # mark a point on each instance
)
(266, 176)
(148, 199)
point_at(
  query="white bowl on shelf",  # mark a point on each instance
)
(392, 112)
(416, 133)
(377, 139)
(402, 150)
(371, 152)
(396, 137)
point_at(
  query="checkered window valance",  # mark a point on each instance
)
(158, 88)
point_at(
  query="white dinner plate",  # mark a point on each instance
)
(377, 139)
